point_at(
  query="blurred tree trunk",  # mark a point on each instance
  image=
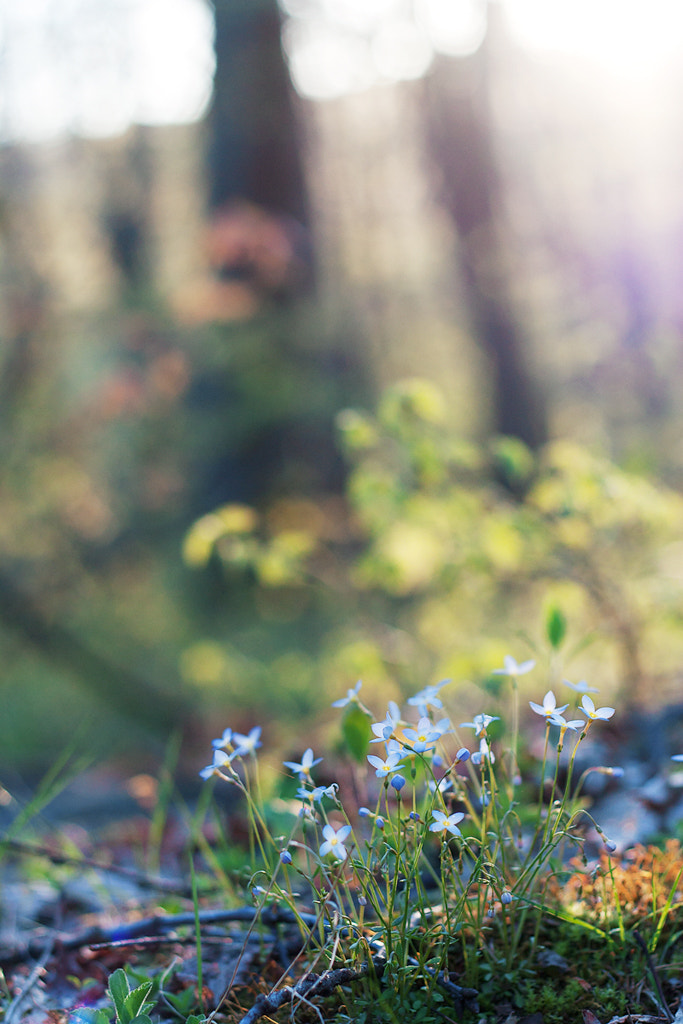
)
(254, 151)
(260, 251)
(460, 143)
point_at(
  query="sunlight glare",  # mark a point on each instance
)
(401, 51)
(184, 64)
(359, 15)
(455, 27)
(630, 37)
(326, 62)
(78, 68)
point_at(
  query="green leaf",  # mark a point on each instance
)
(182, 1001)
(142, 1018)
(356, 731)
(119, 990)
(88, 1015)
(555, 627)
(134, 1002)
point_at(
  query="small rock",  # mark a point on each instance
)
(655, 793)
(624, 820)
(552, 962)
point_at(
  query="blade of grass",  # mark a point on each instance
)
(55, 781)
(666, 909)
(162, 804)
(198, 935)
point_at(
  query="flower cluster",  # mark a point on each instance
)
(426, 784)
(229, 747)
(553, 715)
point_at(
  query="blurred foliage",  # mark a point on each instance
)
(453, 551)
(427, 556)
(118, 430)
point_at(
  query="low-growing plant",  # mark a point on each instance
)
(443, 863)
(130, 1003)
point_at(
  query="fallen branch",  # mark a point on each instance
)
(312, 984)
(148, 927)
(15, 1008)
(325, 983)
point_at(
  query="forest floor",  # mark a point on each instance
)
(101, 879)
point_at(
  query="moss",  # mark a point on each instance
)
(560, 1001)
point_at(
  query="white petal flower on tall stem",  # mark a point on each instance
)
(443, 726)
(479, 723)
(442, 786)
(384, 766)
(334, 841)
(512, 668)
(224, 741)
(350, 698)
(573, 724)
(581, 687)
(220, 760)
(384, 730)
(484, 753)
(428, 697)
(303, 770)
(247, 744)
(442, 822)
(589, 709)
(317, 793)
(423, 737)
(549, 706)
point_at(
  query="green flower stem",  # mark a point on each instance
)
(515, 740)
(617, 902)
(549, 825)
(562, 810)
(541, 788)
(666, 910)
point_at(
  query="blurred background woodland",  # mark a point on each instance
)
(339, 339)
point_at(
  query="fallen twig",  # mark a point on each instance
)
(312, 984)
(14, 1007)
(149, 927)
(325, 983)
